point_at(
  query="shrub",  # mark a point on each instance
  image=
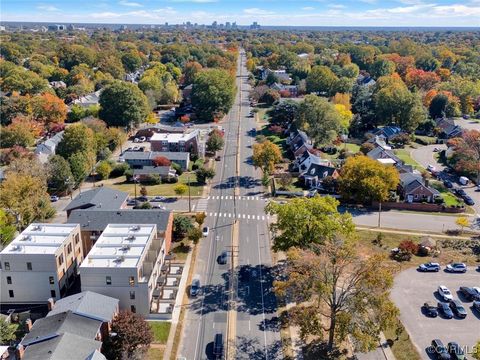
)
(366, 147)
(152, 179)
(408, 246)
(119, 170)
(161, 161)
(177, 168)
(103, 169)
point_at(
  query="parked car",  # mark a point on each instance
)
(136, 140)
(430, 310)
(431, 168)
(429, 267)
(436, 149)
(158, 198)
(195, 287)
(54, 198)
(448, 184)
(205, 231)
(159, 207)
(222, 258)
(458, 309)
(143, 139)
(460, 192)
(456, 352)
(218, 158)
(445, 293)
(142, 198)
(440, 350)
(468, 200)
(218, 346)
(469, 293)
(132, 202)
(463, 180)
(445, 310)
(456, 268)
(476, 305)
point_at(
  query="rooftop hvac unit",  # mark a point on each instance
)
(130, 237)
(134, 228)
(119, 259)
(125, 248)
(16, 247)
(36, 228)
(25, 238)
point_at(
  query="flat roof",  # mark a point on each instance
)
(386, 161)
(174, 137)
(40, 239)
(120, 246)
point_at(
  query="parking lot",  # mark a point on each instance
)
(412, 289)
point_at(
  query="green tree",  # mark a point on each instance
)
(180, 189)
(265, 155)
(214, 142)
(443, 105)
(270, 96)
(7, 332)
(320, 118)
(80, 164)
(17, 134)
(132, 339)
(322, 80)
(284, 113)
(131, 61)
(123, 104)
(340, 294)
(7, 228)
(213, 93)
(103, 169)
(304, 223)
(59, 174)
(192, 68)
(194, 235)
(181, 226)
(203, 174)
(76, 138)
(382, 67)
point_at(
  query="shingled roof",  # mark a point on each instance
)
(103, 197)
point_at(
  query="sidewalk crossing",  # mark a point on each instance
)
(201, 205)
(227, 197)
(240, 216)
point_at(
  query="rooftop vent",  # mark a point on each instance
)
(134, 228)
(119, 259)
(130, 237)
(125, 248)
(16, 247)
(36, 228)
(25, 238)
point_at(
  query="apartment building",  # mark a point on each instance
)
(125, 263)
(184, 142)
(40, 263)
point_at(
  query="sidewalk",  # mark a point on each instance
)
(383, 230)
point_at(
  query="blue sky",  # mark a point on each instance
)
(266, 12)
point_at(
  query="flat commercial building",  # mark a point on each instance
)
(125, 263)
(40, 263)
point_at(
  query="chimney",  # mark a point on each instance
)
(19, 351)
(51, 304)
(28, 325)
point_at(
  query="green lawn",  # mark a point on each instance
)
(404, 155)
(353, 148)
(448, 197)
(181, 249)
(402, 348)
(160, 329)
(155, 354)
(162, 189)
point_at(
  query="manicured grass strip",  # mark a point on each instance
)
(160, 329)
(402, 347)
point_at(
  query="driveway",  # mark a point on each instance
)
(469, 124)
(412, 289)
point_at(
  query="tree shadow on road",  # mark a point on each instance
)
(251, 349)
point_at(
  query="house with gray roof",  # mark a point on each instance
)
(165, 172)
(384, 156)
(48, 147)
(139, 159)
(93, 222)
(413, 188)
(88, 100)
(316, 173)
(98, 198)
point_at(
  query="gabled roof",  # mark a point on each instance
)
(97, 220)
(408, 178)
(154, 170)
(388, 131)
(65, 322)
(66, 346)
(150, 155)
(88, 304)
(320, 171)
(52, 142)
(381, 153)
(103, 197)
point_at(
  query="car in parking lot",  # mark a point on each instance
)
(439, 350)
(456, 352)
(444, 310)
(205, 231)
(448, 184)
(429, 267)
(456, 268)
(431, 168)
(54, 198)
(430, 310)
(132, 202)
(458, 309)
(195, 287)
(158, 198)
(445, 293)
(460, 192)
(218, 158)
(222, 258)
(468, 200)
(469, 293)
(476, 305)
(142, 198)
(159, 207)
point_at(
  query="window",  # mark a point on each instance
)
(51, 280)
(77, 239)
(7, 266)
(29, 266)
(131, 281)
(60, 259)
(10, 293)
(132, 295)
(108, 280)
(133, 309)
(0, 265)
(9, 280)
(53, 294)
(69, 248)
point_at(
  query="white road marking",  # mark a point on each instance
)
(248, 216)
(261, 291)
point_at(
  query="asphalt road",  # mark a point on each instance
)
(425, 156)
(412, 289)
(257, 336)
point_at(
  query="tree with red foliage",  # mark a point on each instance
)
(276, 129)
(13, 153)
(161, 161)
(402, 63)
(421, 79)
(130, 337)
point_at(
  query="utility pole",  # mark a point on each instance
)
(189, 195)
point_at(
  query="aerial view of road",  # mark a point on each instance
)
(235, 195)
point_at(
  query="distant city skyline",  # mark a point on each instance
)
(444, 13)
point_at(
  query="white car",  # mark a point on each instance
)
(205, 231)
(431, 168)
(445, 293)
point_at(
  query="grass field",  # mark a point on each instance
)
(404, 155)
(160, 329)
(402, 348)
(161, 189)
(155, 354)
(448, 197)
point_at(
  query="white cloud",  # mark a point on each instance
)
(47, 8)
(257, 11)
(308, 8)
(166, 10)
(130, 3)
(194, 1)
(336, 6)
(371, 2)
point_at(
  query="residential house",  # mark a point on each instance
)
(384, 156)
(292, 89)
(280, 74)
(315, 174)
(387, 132)
(48, 147)
(40, 263)
(101, 197)
(413, 188)
(139, 159)
(303, 162)
(448, 129)
(93, 222)
(184, 142)
(299, 142)
(365, 80)
(125, 263)
(57, 85)
(164, 172)
(88, 100)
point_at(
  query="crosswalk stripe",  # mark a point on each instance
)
(248, 216)
(263, 217)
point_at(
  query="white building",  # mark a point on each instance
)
(48, 147)
(125, 263)
(40, 263)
